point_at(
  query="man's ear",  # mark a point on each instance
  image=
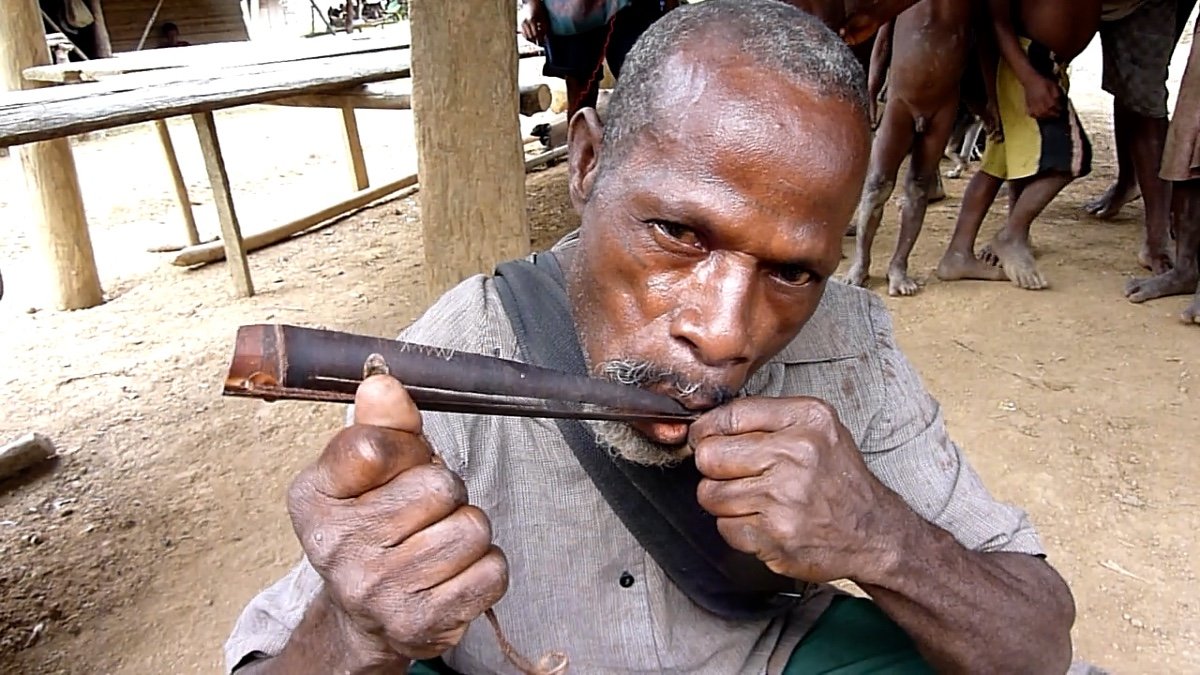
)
(584, 137)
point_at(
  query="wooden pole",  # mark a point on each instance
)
(469, 151)
(181, 191)
(50, 177)
(354, 148)
(231, 230)
(149, 25)
(103, 41)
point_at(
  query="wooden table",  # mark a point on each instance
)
(344, 71)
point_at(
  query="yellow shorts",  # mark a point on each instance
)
(1034, 146)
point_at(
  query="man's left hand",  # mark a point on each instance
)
(788, 484)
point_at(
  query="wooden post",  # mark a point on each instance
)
(181, 191)
(469, 150)
(231, 231)
(50, 177)
(103, 42)
(358, 161)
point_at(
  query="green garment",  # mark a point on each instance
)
(852, 637)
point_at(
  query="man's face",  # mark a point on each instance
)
(706, 248)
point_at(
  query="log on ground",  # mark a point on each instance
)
(215, 251)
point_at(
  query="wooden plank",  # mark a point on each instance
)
(52, 184)
(469, 151)
(397, 95)
(201, 21)
(181, 191)
(217, 56)
(231, 231)
(26, 117)
(354, 148)
(192, 74)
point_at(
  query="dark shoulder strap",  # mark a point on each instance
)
(658, 506)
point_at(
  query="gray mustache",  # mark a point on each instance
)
(643, 374)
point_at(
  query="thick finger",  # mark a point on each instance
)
(743, 533)
(381, 401)
(445, 549)
(411, 502)
(728, 457)
(466, 596)
(746, 415)
(361, 458)
(733, 498)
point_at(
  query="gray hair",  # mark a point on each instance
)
(781, 37)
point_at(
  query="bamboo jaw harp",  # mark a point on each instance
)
(282, 362)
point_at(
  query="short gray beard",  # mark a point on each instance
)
(627, 443)
(621, 439)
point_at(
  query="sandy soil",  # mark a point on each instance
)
(165, 514)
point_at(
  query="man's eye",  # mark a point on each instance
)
(676, 231)
(794, 275)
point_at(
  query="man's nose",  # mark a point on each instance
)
(715, 311)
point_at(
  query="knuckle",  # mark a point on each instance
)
(474, 523)
(356, 588)
(707, 492)
(496, 568)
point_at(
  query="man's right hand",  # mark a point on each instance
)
(535, 21)
(1043, 98)
(407, 563)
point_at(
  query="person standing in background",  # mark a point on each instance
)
(580, 35)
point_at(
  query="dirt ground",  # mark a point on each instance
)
(165, 513)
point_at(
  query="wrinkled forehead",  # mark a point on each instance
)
(734, 128)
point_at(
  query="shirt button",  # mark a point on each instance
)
(626, 580)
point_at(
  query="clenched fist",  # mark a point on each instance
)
(788, 484)
(407, 563)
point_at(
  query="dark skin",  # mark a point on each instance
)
(1140, 141)
(930, 45)
(709, 261)
(1065, 27)
(1184, 277)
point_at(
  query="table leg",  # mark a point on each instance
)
(358, 161)
(231, 231)
(181, 191)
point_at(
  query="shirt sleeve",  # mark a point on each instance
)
(906, 445)
(265, 625)
(465, 319)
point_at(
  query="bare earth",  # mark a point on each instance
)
(165, 513)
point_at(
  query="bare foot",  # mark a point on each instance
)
(1173, 282)
(899, 283)
(955, 265)
(858, 274)
(937, 193)
(1157, 259)
(1016, 259)
(1109, 204)
(1192, 313)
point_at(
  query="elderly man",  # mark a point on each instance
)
(713, 203)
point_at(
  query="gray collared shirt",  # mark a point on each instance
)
(567, 550)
